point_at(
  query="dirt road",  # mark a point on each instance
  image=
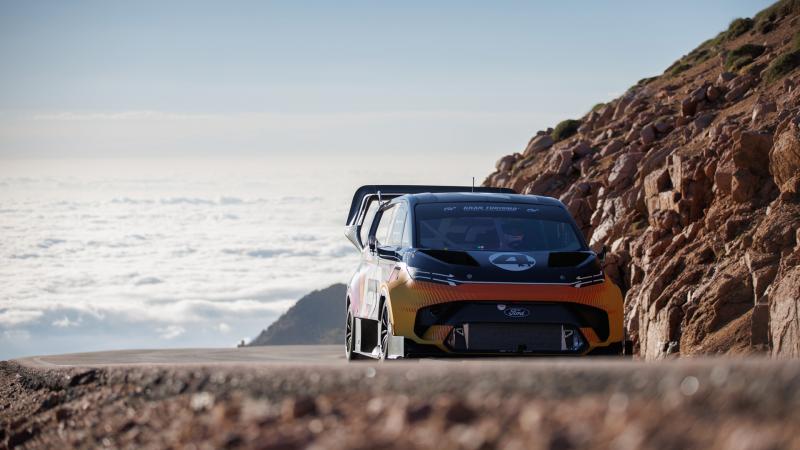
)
(280, 397)
(295, 354)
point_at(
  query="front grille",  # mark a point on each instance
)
(474, 312)
(515, 338)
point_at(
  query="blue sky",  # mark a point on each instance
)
(100, 78)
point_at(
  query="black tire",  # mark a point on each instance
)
(627, 348)
(613, 349)
(349, 339)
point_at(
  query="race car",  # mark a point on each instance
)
(463, 271)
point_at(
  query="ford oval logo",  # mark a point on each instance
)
(512, 261)
(517, 312)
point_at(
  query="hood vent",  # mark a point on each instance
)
(567, 259)
(452, 257)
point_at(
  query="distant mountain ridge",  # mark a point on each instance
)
(317, 318)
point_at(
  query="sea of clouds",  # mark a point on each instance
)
(117, 254)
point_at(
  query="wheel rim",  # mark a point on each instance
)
(384, 332)
(348, 336)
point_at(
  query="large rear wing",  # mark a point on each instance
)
(365, 195)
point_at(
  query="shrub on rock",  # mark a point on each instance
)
(778, 10)
(680, 68)
(782, 65)
(765, 26)
(739, 27)
(565, 129)
(743, 56)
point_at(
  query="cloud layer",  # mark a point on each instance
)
(106, 254)
(95, 264)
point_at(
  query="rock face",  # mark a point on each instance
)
(692, 180)
(784, 159)
(538, 143)
(317, 318)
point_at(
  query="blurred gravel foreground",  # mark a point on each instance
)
(513, 404)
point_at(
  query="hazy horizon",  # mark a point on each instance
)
(107, 79)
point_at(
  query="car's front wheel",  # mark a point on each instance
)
(384, 332)
(349, 339)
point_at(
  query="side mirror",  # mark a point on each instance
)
(387, 253)
(372, 243)
(601, 255)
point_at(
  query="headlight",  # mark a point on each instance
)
(589, 280)
(421, 275)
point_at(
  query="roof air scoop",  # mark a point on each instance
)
(567, 259)
(452, 257)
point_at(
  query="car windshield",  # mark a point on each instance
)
(495, 227)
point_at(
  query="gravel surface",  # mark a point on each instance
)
(542, 403)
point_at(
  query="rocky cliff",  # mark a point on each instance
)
(317, 318)
(692, 181)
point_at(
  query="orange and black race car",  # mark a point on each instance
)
(474, 271)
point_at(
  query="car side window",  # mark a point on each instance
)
(396, 235)
(406, 243)
(368, 218)
(382, 231)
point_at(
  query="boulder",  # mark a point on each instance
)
(633, 135)
(743, 186)
(664, 124)
(602, 137)
(665, 219)
(623, 171)
(498, 179)
(606, 114)
(699, 94)
(606, 219)
(657, 181)
(751, 151)
(736, 93)
(688, 107)
(725, 77)
(581, 149)
(722, 297)
(547, 183)
(538, 143)
(713, 93)
(738, 87)
(622, 105)
(763, 267)
(762, 109)
(655, 184)
(645, 117)
(759, 327)
(581, 210)
(784, 157)
(648, 134)
(784, 310)
(562, 162)
(777, 233)
(703, 120)
(505, 163)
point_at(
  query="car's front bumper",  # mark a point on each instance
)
(474, 319)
